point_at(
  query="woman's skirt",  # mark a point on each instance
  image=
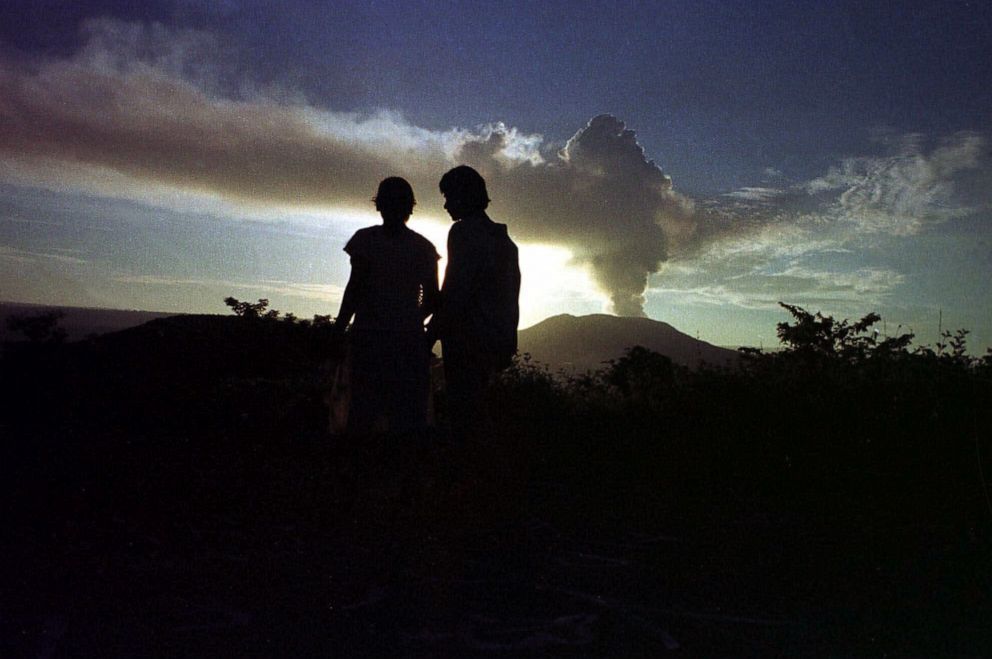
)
(390, 381)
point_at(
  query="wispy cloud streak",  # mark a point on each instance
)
(327, 293)
(905, 191)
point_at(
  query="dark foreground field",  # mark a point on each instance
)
(168, 491)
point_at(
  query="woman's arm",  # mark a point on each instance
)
(431, 307)
(431, 293)
(353, 294)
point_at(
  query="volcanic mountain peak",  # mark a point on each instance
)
(583, 343)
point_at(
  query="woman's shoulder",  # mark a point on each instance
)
(422, 244)
(360, 240)
(367, 232)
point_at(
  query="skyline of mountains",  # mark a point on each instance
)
(575, 343)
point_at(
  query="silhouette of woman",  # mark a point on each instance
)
(392, 289)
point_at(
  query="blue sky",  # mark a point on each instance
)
(692, 161)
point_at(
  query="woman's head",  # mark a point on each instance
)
(394, 200)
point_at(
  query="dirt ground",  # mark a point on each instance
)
(313, 557)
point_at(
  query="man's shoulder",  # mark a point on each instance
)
(502, 232)
(462, 235)
(461, 228)
(480, 227)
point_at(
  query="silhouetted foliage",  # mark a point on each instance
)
(258, 309)
(39, 328)
(842, 421)
(642, 374)
(816, 335)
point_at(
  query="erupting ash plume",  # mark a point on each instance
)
(600, 196)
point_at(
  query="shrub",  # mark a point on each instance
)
(39, 328)
(251, 309)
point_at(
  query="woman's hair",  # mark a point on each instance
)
(394, 199)
(467, 185)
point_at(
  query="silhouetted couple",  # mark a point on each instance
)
(393, 291)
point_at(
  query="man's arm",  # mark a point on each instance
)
(460, 274)
(431, 293)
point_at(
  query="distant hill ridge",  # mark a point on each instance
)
(78, 322)
(577, 343)
(582, 343)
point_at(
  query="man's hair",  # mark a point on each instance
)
(394, 192)
(467, 185)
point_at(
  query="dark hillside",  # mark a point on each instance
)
(78, 322)
(179, 370)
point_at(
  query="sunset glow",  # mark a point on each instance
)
(704, 162)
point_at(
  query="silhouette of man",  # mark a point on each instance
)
(477, 318)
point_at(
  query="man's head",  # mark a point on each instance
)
(394, 200)
(464, 192)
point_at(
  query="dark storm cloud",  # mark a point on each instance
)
(127, 105)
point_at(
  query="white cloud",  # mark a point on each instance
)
(746, 286)
(903, 192)
(756, 193)
(756, 245)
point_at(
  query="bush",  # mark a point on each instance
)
(842, 421)
(39, 328)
